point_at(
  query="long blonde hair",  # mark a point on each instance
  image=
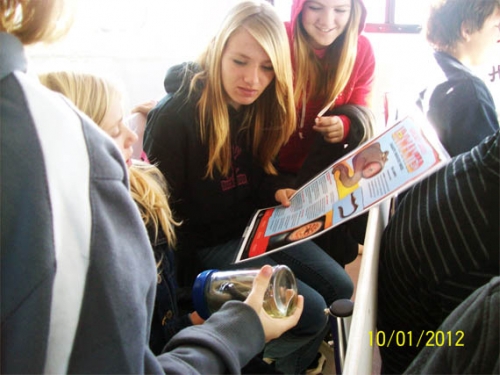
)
(270, 120)
(149, 190)
(325, 78)
(93, 95)
(34, 20)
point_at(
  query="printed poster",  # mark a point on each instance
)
(377, 170)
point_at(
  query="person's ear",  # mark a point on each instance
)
(465, 31)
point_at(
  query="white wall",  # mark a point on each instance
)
(401, 61)
(402, 67)
(491, 74)
(133, 41)
(136, 41)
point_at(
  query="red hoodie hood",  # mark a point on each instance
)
(297, 6)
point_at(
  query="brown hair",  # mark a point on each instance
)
(447, 18)
(35, 20)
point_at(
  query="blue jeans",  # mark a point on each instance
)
(320, 280)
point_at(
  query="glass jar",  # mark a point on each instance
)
(212, 288)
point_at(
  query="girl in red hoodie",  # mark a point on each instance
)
(334, 69)
(334, 66)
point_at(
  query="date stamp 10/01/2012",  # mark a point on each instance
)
(408, 338)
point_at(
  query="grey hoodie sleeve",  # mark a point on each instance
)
(221, 345)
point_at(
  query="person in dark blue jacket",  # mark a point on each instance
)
(458, 104)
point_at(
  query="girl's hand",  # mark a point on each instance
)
(273, 327)
(283, 196)
(331, 127)
(195, 318)
(144, 108)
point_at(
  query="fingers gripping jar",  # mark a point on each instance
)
(212, 288)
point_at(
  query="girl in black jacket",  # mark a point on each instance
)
(214, 137)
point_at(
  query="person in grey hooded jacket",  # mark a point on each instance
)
(78, 277)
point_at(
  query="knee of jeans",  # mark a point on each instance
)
(313, 318)
(345, 289)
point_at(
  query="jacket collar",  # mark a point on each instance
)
(12, 55)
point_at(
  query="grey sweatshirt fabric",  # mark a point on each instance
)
(77, 270)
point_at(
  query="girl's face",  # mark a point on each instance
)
(116, 128)
(246, 69)
(483, 43)
(325, 20)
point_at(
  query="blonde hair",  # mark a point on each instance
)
(34, 21)
(149, 190)
(270, 120)
(315, 80)
(93, 95)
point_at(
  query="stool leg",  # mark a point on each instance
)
(337, 353)
(339, 315)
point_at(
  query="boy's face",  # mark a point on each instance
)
(481, 44)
